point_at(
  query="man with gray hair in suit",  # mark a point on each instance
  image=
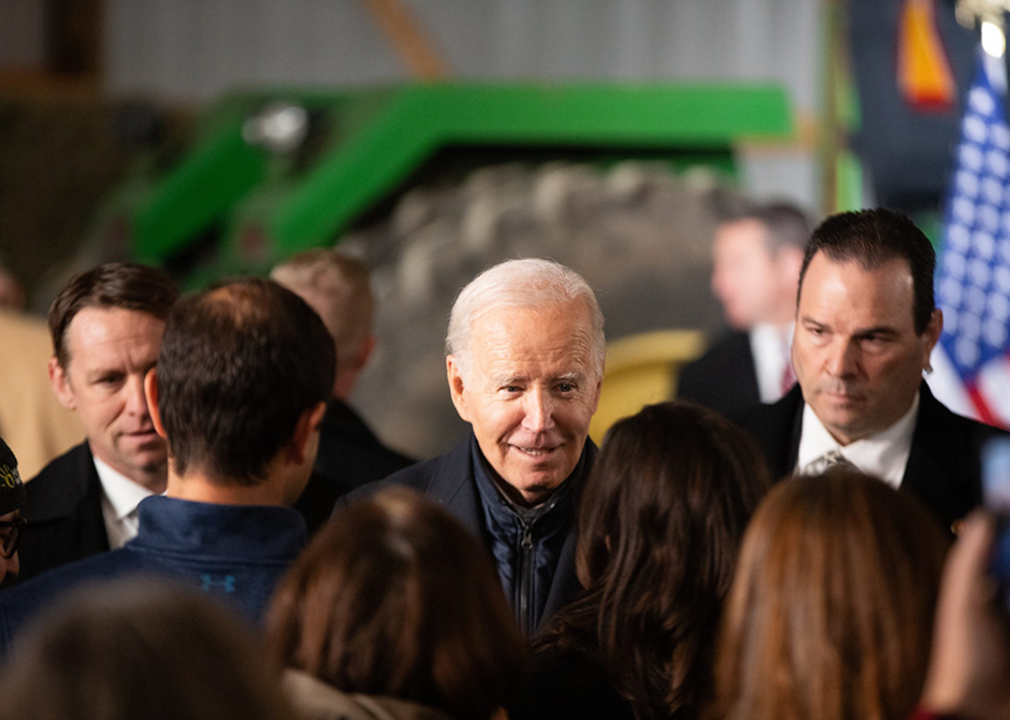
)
(524, 360)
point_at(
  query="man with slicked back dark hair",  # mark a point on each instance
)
(866, 323)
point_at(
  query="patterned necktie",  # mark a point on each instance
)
(827, 461)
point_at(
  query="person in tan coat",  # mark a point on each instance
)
(31, 419)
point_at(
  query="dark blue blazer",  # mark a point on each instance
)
(449, 479)
(944, 467)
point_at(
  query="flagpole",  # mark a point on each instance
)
(832, 131)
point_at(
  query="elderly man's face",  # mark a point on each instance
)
(855, 350)
(530, 391)
(111, 350)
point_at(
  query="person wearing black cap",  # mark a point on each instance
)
(12, 500)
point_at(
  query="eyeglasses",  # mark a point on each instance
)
(10, 533)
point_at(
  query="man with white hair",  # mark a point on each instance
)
(525, 352)
(338, 287)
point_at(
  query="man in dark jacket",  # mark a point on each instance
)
(525, 362)
(239, 392)
(866, 324)
(106, 327)
(756, 258)
(338, 288)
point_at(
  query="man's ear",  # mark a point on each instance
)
(60, 383)
(307, 425)
(455, 378)
(151, 393)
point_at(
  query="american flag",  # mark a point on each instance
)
(973, 280)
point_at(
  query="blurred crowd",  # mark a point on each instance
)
(800, 534)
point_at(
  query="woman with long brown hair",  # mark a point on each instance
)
(660, 520)
(831, 610)
(395, 609)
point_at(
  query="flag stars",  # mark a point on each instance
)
(964, 210)
(979, 273)
(981, 102)
(984, 245)
(975, 128)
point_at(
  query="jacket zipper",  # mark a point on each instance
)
(526, 580)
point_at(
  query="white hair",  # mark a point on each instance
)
(525, 283)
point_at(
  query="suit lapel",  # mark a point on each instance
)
(932, 473)
(452, 484)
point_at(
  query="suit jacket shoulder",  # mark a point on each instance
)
(64, 514)
(776, 427)
(724, 378)
(945, 466)
(61, 486)
(350, 453)
(350, 456)
(447, 479)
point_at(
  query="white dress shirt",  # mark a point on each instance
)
(769, 344)
(883, 454)
(120, 498)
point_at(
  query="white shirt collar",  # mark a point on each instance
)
(883, 454)
(123, 494)
(769, 344)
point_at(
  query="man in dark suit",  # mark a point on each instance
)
(525, 362)
(866, 323)
(756, 259)
(338, 288)
(106, 327)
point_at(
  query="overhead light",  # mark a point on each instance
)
(279, 127)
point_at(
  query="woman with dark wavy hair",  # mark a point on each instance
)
(660, 520)
(395, 611)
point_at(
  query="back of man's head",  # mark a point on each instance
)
(126, 286)
(239, 366)
(338, 287)
(872, 238)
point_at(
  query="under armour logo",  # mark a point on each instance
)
(227, 583)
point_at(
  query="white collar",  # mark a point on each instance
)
(883, 454)
(122, 493)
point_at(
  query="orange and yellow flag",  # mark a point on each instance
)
(925, 80)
